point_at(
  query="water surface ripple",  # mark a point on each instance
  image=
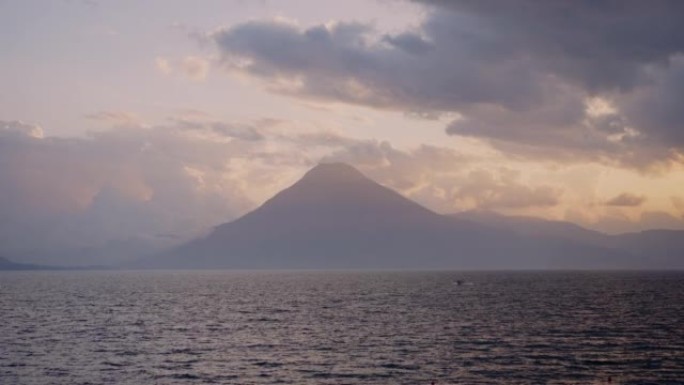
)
(227, 327)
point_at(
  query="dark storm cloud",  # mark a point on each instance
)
(409, 42)
(602, 44)
(519, 72)
(343, 62)
(660, 106)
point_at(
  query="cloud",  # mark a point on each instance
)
(407, 171)
(20, 129)
(131, 183)
(601, 46)
(520, 75)
(221, 130)
(341, 61)
(180, 178)
(122, 183)
(657, 106)
(483, 189)
(617, 222)
(163, 65)
(444, 179)
(115, 118)
(626, 200)
(195, 68)
(192, 67)
(162, 183)
(678, 203)
(410, 43)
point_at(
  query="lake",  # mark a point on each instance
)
(344, 327)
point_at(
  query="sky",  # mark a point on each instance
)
(157, 120)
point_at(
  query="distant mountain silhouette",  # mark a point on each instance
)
(655, 249)
(531, 226)
(335, 217)
(660, 249)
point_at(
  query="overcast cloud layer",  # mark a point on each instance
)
(584, 80)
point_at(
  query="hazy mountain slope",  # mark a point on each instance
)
(661, 249)
(536, 227)
(652, 249)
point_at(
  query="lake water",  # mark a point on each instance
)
(223, 327)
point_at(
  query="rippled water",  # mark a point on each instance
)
(341, 328)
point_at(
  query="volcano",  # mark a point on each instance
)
(336, 217)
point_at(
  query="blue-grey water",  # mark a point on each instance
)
(222, 327)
